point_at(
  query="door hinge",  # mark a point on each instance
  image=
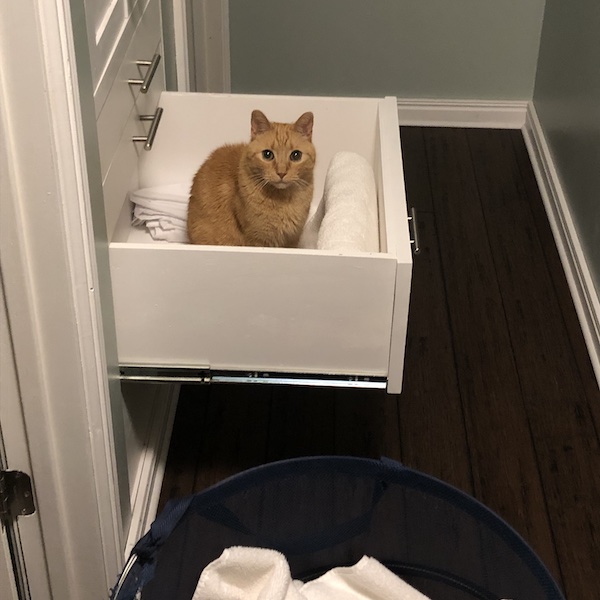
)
(16, 495)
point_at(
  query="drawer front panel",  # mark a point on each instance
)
(251, 309)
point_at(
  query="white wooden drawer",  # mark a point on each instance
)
(264, 311)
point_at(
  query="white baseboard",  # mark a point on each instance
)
(462, 113)
(147, 486)
(585, 296)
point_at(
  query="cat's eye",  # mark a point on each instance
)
(268, 154)
(296, 155)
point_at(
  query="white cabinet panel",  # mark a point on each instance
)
(111, 26)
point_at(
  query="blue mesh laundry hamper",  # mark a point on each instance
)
(323, 512)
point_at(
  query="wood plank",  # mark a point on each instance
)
(366, 424)
(504, 465)
(430, 404)
(184, 450)
(555, 398)
(430, 401)
(416, 169)
(234, 437)
(301, 422)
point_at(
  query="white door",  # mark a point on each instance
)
(21, 543)
(51, 274)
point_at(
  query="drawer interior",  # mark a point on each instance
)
(193, 125)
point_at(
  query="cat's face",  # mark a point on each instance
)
(281, 154)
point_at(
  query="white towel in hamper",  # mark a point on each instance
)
(242, 573)
(368, 579)
(163, 211)
(350, 221)
(261, 574)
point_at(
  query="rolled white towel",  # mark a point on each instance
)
(350, 220)
(163, 211)
(310, 233)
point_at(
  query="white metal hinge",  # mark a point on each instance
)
(16, 495)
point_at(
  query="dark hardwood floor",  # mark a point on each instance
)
(499, 396)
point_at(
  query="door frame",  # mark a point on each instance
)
(181, 44)
(207, 23)
(54, 269)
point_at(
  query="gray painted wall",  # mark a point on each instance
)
(469, 49)
(567, 100)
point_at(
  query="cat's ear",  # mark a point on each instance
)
(304, 125)
(259, 123)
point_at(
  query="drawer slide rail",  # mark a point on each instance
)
(204, 375)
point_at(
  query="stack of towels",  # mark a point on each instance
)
(242, 573)
(345, 219)
(163, 211)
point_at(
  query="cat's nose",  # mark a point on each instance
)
(281, 175)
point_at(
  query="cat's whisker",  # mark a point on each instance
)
(259, 182)
(302, 183)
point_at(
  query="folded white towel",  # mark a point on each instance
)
(163, 211)
(261, 574)
(368, 579)
(350, 221)
(247, 574)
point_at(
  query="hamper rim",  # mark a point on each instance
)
(395, 473)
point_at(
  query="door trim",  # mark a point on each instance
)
(209, 45)
(181, 36)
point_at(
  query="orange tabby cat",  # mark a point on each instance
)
(256, 194)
